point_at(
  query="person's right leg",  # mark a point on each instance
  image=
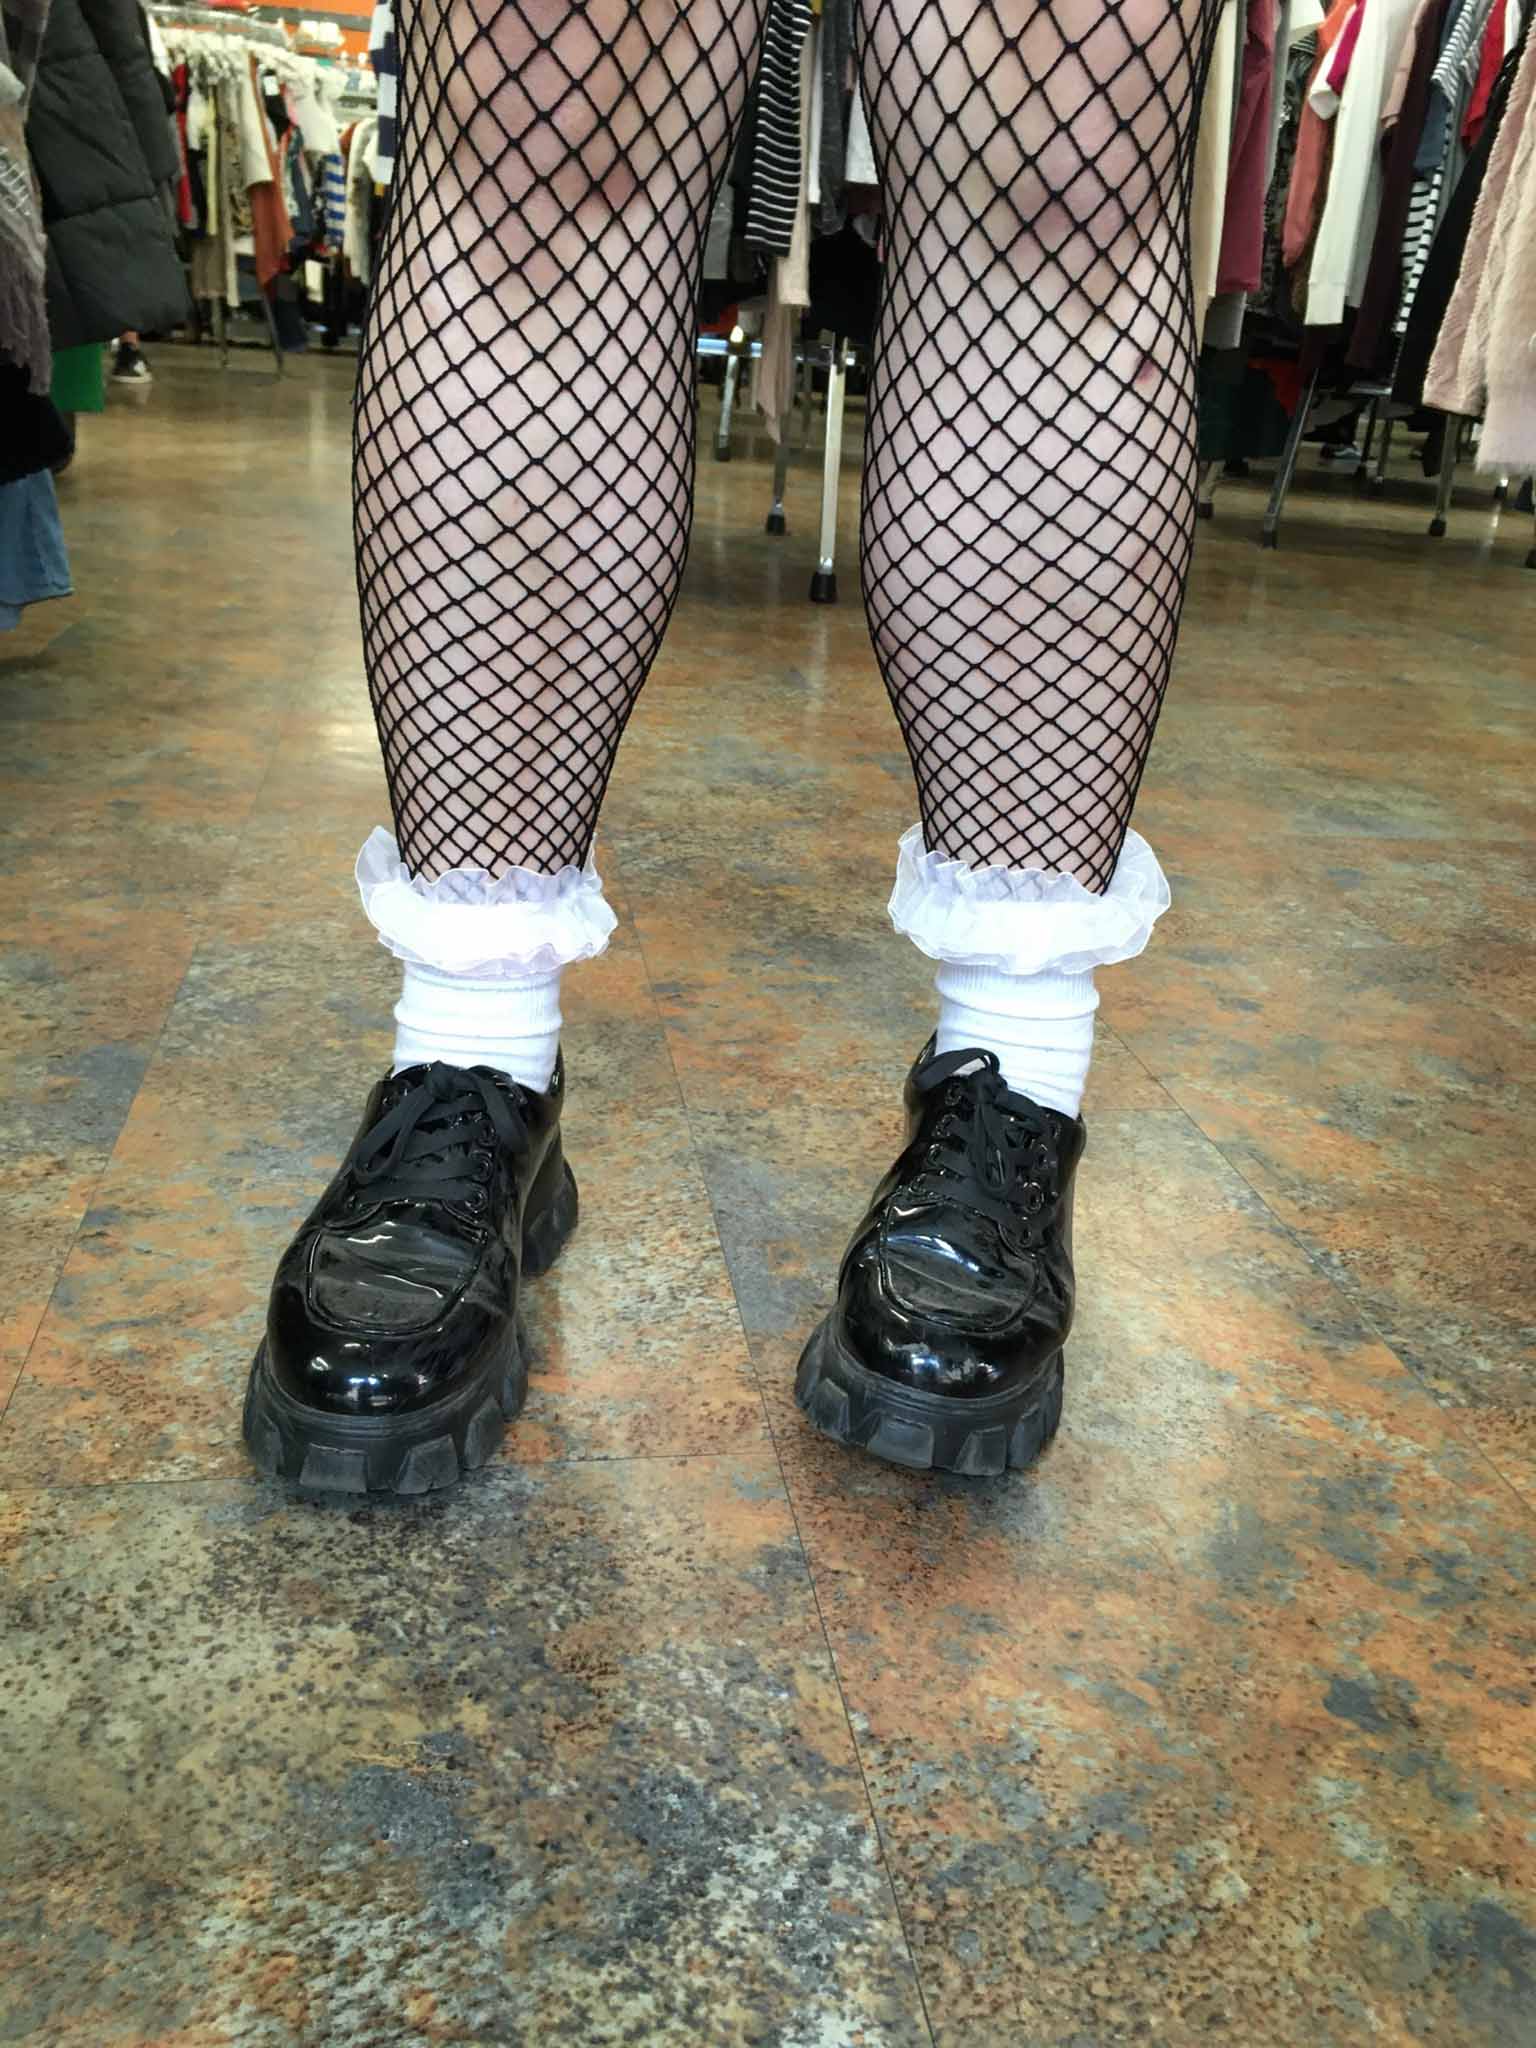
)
(523, 475)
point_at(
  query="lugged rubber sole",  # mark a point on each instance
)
(425, 1448)
(925, 1432)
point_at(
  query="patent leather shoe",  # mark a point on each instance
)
(392, 1358)
(945, 1346)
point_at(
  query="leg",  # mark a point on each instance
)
(525, 430)
(1029, 511)
(1029, 497)
(523, 489)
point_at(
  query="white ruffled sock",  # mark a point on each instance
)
(483, 956)
(1039, 1025)
(511, 1022)
(1017, 949)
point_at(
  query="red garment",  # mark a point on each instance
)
(1241, 261)
(1344, 52)
(1487, 72)
(1314, 147)
(186, 213)
(270, 225)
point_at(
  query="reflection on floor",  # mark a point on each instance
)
(679, 1725)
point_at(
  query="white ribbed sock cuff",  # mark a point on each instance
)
(1039, 1025)
(465, 1020)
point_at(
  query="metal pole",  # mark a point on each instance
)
(776, 522)
(1270, 532)
(1447, 478)
(727, 407)
(824, 582)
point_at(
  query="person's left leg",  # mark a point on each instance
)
(1028, 516)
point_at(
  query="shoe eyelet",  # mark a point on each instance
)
(952, 1094)
(1032, 1198)
(485, 1160)
(477, 1201)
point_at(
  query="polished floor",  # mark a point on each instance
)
(679, 1725)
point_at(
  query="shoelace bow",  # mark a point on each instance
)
(1004, 1157)
(432, 1144)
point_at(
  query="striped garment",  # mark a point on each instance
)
(384, 49)
(333, 199)
(778, 169)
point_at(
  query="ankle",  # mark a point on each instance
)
(1040, 1026)
(509, 1024)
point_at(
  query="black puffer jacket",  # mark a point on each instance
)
(103, 150)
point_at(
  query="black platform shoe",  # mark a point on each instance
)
(393, 1358)
(955, 1298)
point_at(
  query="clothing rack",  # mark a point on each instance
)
(225, 20)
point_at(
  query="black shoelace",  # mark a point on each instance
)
(1000, 1159)
(435, 1144)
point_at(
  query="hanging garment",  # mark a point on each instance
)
(1314, 144)
(1242, 227)
(1491, 56)
(333, 199)
(778, 168)
(33, 561)
(271, 227)
(23, 252)
(1212, 154)
(1346, 231)
(834, 59)
(1445, 258)
(384, 55)
(102, 148)
(1382, 304)
(310, 113)
(1484, 361)
(357, 242)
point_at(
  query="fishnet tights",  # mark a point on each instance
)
(525, 427)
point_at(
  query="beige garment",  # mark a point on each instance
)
(1487, 345)
(1212, 155)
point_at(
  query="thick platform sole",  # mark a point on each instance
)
(426, 1448)
(925, 1432)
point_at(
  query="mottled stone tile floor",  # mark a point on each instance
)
(679, 1725)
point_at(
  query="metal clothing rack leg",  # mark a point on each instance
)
(727, 406)
(824, 582)
(1269, 535)
(1453, 430)
(775, 522)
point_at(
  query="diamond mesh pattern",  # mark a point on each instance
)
(1029, 488)
(525, 423)
(525, 428)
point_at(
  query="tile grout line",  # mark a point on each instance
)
(617, 866)
(1361, 1310)
(289, 714)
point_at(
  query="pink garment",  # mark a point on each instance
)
(1241, 261)
(1486, 339)
(1343, 54)
(1314, 139)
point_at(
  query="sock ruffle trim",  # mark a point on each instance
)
(470, 922)
(1026, 920)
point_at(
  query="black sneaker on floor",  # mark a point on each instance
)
(393, 1357)
(130, 367)
(944, 1348)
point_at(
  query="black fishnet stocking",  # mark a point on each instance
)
(1029, 489)
(526, 425)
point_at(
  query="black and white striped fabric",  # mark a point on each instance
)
(778, 168)
(384, 49)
